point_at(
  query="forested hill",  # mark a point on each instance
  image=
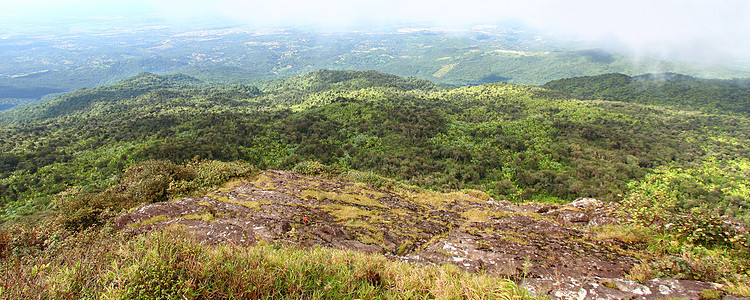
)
(106, 97)
(668, 89)
(515, 142)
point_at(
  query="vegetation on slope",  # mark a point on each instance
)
(72, 164)
(669, 89)
(515, 142)
(76, 253)
(169, 265)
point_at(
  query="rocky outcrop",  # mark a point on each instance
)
(551, 247)
(614, 289)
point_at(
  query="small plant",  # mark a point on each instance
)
(405, 247)
(640, 272)
(702, 227)
(710, 294)
(316, 168)
(610, 284)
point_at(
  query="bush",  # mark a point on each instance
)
(702, 227)
(376, 180)
(147, 182)
(210, 173)
(650, 202)
(28, 238)
(316, 168)
(79, 209)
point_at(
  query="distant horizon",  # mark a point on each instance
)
(711, 32)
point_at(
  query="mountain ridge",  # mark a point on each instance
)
(665, 89)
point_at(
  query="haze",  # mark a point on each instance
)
(698, 30)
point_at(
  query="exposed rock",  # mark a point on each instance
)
(548, 245)
(587, 203)
(520, 246)
(530, 208)
(614, 288)
(674, 288)
(568, 216)
(601, 220)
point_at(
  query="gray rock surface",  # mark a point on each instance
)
(550, 246)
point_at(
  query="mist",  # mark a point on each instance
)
(695, 30)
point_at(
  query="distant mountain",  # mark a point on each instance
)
(324, 80)
(31, 68)
(89, 99)
(668, 89)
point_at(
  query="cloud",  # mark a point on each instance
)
(711, 31)
(52, 10)
(707, 30)
(687, 29)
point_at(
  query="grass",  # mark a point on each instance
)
(514, 239)
(264, 181)
(169, 265)
(350, 213)
(366, 190)
(206, 216)
(249, 204)
(439, 199)
(350, 196)
(153, 220)
(626, 233)
(482, 215)
(376, 180)
(737, 285)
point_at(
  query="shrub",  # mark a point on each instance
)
(210, 173)
(316, 168)
(147, 182)
(651, 202)
(376, 180)
(702, 227)
(28, 238)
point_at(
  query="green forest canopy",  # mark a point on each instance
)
(517, 143)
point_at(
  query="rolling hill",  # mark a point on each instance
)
(78, 161)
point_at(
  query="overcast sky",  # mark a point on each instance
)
(707, 30)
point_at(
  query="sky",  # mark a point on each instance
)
(699, 30)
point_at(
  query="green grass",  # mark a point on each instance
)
(351, 196)
(169, 265)
(153, 220)
(249, 204)
(349, 213)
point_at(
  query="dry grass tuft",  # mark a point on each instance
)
(170, 265)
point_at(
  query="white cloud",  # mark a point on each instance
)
(698, 29)
(35, 10)
(692, 29)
